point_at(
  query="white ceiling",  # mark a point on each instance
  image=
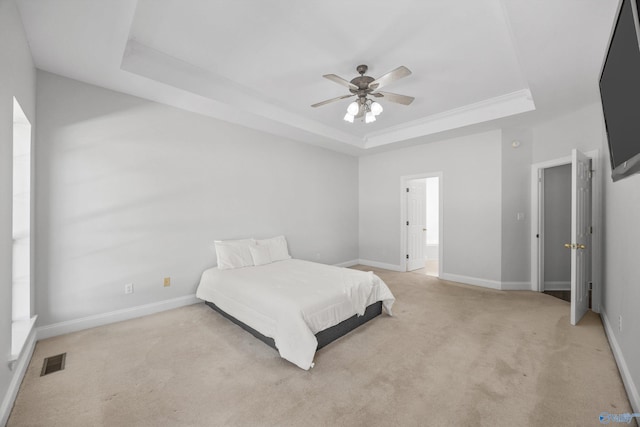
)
(475, 63)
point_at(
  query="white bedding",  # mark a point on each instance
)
(292, 300)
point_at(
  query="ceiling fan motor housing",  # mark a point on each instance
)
(362, 82)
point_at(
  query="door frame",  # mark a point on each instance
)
(403, 218)
(537, 224)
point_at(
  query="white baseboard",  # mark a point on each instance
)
(485, 283)
(557, 286)
(515, 286)
(629, 385)
(383, 265)
(68, 326)
(19, 368)
(348, 263)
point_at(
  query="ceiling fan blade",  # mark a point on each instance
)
(394, 97)
(329, 101)
(391, 76)
(340, 81)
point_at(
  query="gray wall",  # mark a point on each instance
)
(557, 227)
(131, 191)
(622, 269)
(17, 78)
(471, 167)
(486, 184)
(516, 199)
(581, 129)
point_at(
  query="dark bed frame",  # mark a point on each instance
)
(324, 337)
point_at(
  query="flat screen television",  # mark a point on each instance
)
(620, 92)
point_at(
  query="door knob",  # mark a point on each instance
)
(569, 245)
(581, 246)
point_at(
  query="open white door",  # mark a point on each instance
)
(416, 223)
(580, 233)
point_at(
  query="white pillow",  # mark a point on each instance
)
(234, 253)
(277, 248)
(260, 254)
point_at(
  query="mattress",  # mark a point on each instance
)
(292, 300)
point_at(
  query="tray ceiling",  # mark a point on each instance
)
(260, 64)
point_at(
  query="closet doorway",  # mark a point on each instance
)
(560, 240)
(556, 231)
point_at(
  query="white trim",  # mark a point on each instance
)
(535, 224)
(21, 340)
(485, 283)
(20, 369)
(557, 286)
(597, 203)
(467, 280)
(403, 217)
(382, 265)
(536, 219)
(627, 379)
(348, 263)
(485, 110)
(74, 325)
(515, 286)
(596, 219)
(191, 80)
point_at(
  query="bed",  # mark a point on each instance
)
(293, 305)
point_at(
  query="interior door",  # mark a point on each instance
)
(580, 234)
(416, 223)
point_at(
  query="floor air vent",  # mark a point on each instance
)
(53, 364)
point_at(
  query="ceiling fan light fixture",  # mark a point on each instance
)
(364, 86)
(370, 117)
(376, 108)
(353, 108)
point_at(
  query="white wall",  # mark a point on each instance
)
(132, 191)
(472, 217)
(557, 227)
(17, 78)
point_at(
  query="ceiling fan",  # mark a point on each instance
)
(364, 86)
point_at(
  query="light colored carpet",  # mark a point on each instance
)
(453, 355)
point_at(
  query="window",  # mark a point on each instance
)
(21, 226)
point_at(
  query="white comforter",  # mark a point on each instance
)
(291, 300)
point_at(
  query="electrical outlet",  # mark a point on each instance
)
(620, 323)
(167, 281)
(128, 288)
